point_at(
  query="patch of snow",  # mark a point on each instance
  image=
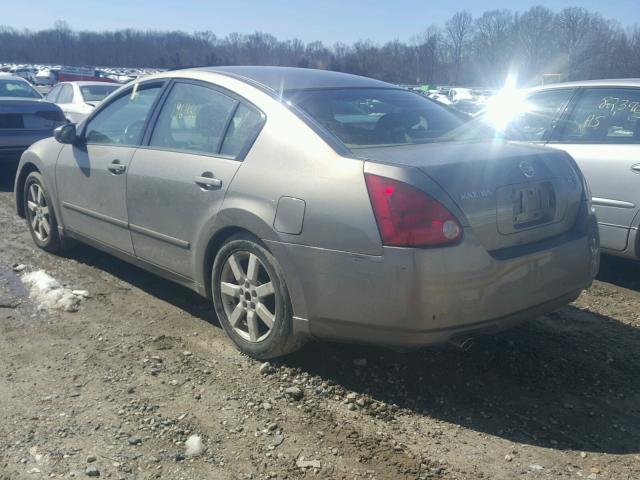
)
(48, 293)
(193, 446)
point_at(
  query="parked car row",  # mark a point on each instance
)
(316, 204)
(48, 74)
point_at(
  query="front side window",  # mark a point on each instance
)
(122, 121)
(194, 118)
(535, 116)
(376, 117)
(17, 89)
(604, 115)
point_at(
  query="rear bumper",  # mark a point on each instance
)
(11, 154)
(412, 297)
(13, 143)
(392, 336)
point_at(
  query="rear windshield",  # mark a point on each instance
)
(17, 89)
(97, 93)
(376, 117)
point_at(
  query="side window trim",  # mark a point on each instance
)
(148, 84)
(157, 109)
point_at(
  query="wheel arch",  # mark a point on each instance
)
(211, 249)
(24, 171)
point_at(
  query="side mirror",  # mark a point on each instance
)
(66, 133)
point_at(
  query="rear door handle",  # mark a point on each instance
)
(208, 182)
(116, 167)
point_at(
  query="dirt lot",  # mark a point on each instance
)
(117, 387)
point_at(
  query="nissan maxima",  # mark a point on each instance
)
(315, 204)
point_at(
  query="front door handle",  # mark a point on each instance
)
(208, 181)
(636, 167)
(116, 167)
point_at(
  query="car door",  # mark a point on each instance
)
(91, 175)
(65, 101)
(601, 131)
(178, 180)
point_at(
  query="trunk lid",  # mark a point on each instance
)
(510, 194)
(27, 114)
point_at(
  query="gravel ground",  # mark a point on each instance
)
(115, 389)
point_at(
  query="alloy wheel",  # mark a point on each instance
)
(38, 212)
(248, 296)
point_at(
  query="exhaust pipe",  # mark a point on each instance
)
(463, 343)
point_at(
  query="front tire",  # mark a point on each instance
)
(41, 218)
(251, 299)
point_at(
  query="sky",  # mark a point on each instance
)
(327, 20)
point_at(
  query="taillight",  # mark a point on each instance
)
(408, 217)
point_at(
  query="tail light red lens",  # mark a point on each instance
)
(408, 217)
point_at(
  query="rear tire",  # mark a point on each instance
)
(251, 299)
(41, 218)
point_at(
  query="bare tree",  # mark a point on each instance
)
(574, 42)
(459, 29)
(536, 40)
(493, 45)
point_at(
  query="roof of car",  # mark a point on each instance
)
(82, 83)
(12, 77)
(614, 82)
(279, 79)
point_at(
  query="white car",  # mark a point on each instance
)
(78, 99)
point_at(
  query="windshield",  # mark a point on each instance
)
(17, 89)
(97, 93)
(377, 117)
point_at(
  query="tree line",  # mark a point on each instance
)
(573, 43)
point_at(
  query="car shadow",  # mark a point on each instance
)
(622, 272)
(150, 283)
(567, 381)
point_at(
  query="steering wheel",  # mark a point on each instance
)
(133, 131)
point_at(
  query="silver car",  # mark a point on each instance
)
(598, 123)
(78, 99)
(315, 204)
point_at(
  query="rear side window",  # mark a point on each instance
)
(243, 129)
(375, 117)
(52, 96)
(604, 115)
(97, 93)
(194, 119)
(122, 120)
(66, 94)
(535, 118)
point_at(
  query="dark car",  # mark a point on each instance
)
(25, 117)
